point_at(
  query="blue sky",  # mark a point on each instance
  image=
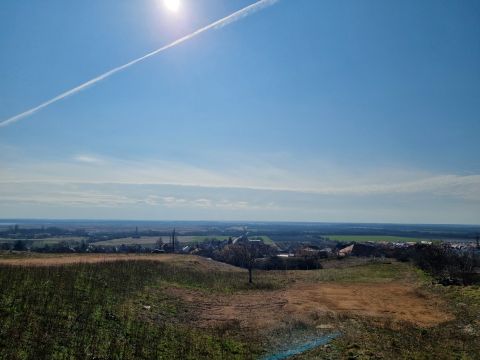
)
(306, 110)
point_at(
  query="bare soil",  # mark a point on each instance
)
(312, 303)
(392, 300)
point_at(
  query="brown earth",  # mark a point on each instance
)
(313, 303)
(391, 300)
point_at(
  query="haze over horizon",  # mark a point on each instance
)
(305, 111)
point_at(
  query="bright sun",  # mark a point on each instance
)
(172, 5)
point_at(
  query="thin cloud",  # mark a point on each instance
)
(180, 202)
(319, 179)
(87, 159)
(85, 169)
(248, 10)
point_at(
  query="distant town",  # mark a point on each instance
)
(267, 246)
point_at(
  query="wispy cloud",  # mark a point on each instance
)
(249, 10)
(215, 25)
(95, 169)
(141, 201)
(114, 195)
(89, 159)
(264, 191)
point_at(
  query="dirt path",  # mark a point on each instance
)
(311, 303)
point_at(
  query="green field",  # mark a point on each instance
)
(201, 238)
(374, 238)
(266, 239)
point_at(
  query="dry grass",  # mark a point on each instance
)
(195, 262)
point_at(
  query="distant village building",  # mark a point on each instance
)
(346, 251)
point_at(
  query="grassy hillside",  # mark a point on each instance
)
(83, 311)
(186, 307)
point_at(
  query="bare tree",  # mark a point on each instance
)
(242, 254)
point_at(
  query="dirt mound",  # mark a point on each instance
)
(306, 302)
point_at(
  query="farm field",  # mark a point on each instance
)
(148, 241)
(266, 239)
(201, 238)
(152, 240)
(188, 307)
(374, 238)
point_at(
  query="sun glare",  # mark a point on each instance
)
(172, 5)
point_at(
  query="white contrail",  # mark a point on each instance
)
(217, 24)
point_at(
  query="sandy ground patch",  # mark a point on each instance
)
(392, 300)
(307, 301)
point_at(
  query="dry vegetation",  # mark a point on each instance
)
(197, 262)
